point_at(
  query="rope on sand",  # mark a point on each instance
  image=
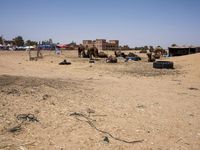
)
(89, 121)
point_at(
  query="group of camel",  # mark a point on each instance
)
(156, 54)
(92, 52)
(86, 52)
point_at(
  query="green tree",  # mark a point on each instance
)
(146, 47)
(31, 43)
(18, 41)
(173, 45)
(1, 40)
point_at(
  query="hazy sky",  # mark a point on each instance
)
(133, 22)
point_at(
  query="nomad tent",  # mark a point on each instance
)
(183, 50)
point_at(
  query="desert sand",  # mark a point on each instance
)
(159, 109)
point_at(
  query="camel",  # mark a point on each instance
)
(120, 54)
(93, 52)
(151, 57)
(102, 55)
(80, 50)
(86, 52)
(130, 56)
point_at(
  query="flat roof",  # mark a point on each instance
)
(182, 47)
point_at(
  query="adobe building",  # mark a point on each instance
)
(102, 44)
(88, 43)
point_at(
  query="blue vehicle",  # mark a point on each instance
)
(46, 47)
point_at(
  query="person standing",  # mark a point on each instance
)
(58, 51)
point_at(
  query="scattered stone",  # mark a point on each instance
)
(45, 97)
(12, 91)
(37, 111)
(15, 129)
(106, 140)
(195, 89)
(192, 115)
(8, 122)
(52, 103)
(22, 148)
(140, 106)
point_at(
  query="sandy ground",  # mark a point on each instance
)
(125, 102)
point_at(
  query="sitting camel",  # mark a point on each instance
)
(86, 52)
(120, 54)
(102, 55)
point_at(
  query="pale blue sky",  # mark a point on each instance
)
(133, 22)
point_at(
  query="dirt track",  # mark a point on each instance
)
(131, 101)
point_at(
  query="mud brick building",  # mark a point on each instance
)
(102, 44)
